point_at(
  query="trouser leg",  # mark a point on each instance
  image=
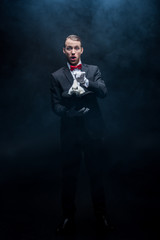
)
(94, 161)
(70, 171)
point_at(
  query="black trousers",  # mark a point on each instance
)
(75, 147)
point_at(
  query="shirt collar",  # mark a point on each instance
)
(68, 64)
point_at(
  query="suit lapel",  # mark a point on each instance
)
(68, 74)
(85, 69)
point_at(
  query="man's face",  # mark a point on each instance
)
(73, 51)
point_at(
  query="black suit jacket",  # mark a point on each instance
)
(92, 121)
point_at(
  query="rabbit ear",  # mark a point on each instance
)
(75, 84)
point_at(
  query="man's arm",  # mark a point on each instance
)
(97, 85)
(56, 98)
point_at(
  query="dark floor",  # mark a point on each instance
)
(30, 197)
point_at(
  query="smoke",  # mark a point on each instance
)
(118, 36)
(122, 38)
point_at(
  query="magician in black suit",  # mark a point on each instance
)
(74, 92)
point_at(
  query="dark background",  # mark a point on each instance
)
(122, 38)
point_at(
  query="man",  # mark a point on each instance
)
(74, 92)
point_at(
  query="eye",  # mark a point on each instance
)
(77, 48)
(69, 48)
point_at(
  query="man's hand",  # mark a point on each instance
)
(80, 77)
(77, 113)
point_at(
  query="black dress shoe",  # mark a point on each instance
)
(67, 226)
(103, 224)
